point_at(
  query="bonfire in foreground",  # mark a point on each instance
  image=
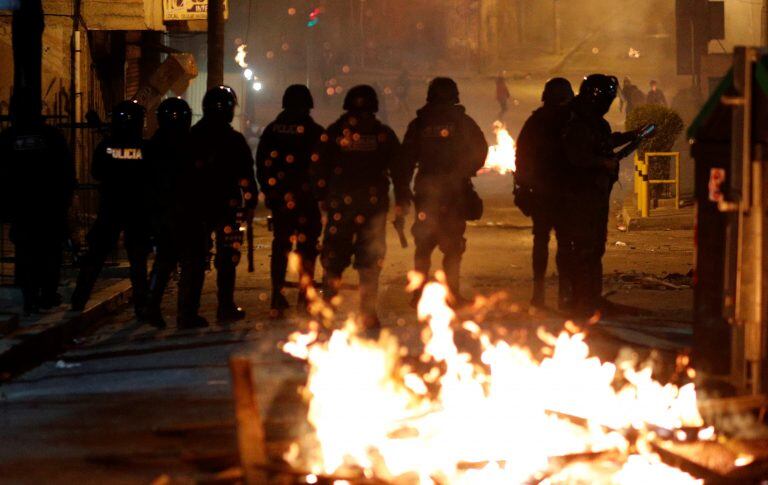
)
(441, 418)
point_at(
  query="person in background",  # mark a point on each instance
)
(37, 177)
(502, 95)
(539, 180)
(656, 95)
(630, 97)
(283, 158)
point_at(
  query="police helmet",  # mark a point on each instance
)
(220, 102)
(557, 90)
(174, 114)
(599, 90)
(128, 120)
(361, 98)
(443, 90)
(298, 98)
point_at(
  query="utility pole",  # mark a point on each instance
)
(27, 37)
(556, 25)
(215, 43)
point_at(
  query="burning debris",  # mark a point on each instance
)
(439, 417)
(501, 156)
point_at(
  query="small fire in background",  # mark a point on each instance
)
(240, 56)
(634, 53)
(501, 156)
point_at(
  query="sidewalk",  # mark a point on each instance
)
(28, 340)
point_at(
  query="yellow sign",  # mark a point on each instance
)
(187, 9)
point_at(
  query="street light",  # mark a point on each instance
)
(257, 86)
(248, 73)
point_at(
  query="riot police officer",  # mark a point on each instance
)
(168, 152)
(38, 179)
(358, 157)
(120, 166)
(282, 169)
(448, 148)
(217, 187)
(592, 171)
(539, 177)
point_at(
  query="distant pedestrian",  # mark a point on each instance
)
(402, 91)
(656, 95)
(502, 95)
(630, 96)
(37, 178)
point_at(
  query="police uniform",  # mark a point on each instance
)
(446, 148)
(358, 157)
(283, 159)
(38, 178)
(539, 178)
(589, 144)
(218, 184)
(169, 154)
(121, 169)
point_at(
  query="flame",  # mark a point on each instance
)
(439, 417)
(240, 56)
(501, 156)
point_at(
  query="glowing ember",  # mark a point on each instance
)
(501, 156)
(441, 418)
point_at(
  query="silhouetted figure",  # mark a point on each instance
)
(283, 160)
(37, 179)
(502, 95)
(169, 154)
(592, 171)
(630, 96)
(219, 185)
(446, 148)
(358, 158)
(540, 176)
(403, 90)
(122, 170)
(656, 95)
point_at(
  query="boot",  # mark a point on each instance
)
(451, 267)
(190, 289)
(191, 322)
(225, 280)
(331, 285)
(86, 280)
(369, 294)
(278, 305)
(538, 298)
(421, 264)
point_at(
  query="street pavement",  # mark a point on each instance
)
(126, 403)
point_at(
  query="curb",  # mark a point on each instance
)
(29, 347)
